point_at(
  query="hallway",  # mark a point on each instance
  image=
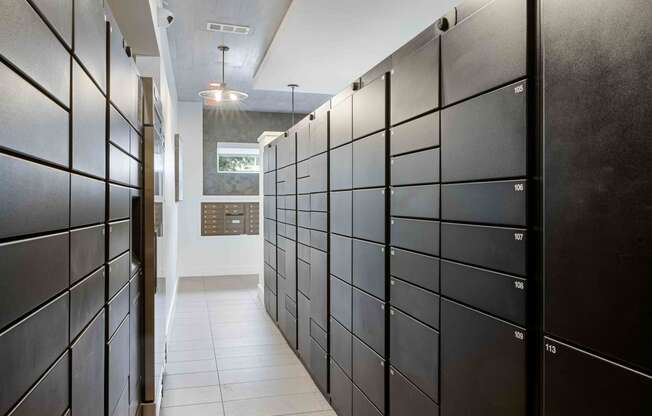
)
(226, 357)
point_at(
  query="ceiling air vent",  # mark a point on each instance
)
(227, 28)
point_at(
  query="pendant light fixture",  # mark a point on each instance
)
(218, 92)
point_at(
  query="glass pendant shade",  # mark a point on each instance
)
(218, 92)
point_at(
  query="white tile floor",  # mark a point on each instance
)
(226, 357)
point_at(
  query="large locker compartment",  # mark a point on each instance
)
(67, 173)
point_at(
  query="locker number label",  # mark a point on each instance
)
(519, 187)
(519, 89)
(519, 335)
(519, 285)
(552, 349)
(518, 236)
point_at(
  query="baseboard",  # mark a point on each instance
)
(221, 271)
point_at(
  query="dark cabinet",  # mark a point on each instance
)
(303, 328)
(415, 168)
(86, 251)
(415, 82)
(319, 365)
(502, 202)
(340, 259)
(340, 301)
(118, 365)
(417, 134)
(496, 293)
(90, 38)
(88, 125)
(341, 212)
(318, 287)
(44, 208)
(415, 201)
(369, 377)
(484, 50)
(415, 301)
(497, 248)
(368, 161)
(341, 168)
(415, 268)
(369, 267)
(87, 364)
(51, 393)
(46, 334)
(369, 108)
(485, 137)
(341, 391)
(484, 359)
(27, 283)
(368, 319)
(369, 214)
(319, 173)
(86, 299)
(415, 352)
(405, 399)
(417, 235)
(117, 310)
(119, 166)
(118, 238)
(31, 122)
(597, 183)
(340, 346)
(119, 274)
(340, 123)
(86, 200)
(119, 202)
(577, 382)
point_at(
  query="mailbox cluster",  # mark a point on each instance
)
(416, 267)
(70, 253)
(221, 218)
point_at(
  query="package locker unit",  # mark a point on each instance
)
(454, 286)
(70, 186)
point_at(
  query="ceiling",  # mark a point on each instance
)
(322, 45)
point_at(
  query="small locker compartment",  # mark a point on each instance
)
(485, 137)
(303, 142)
(319, 202)
(415, 352)
(86, 299)
(502, 202)
(369, 267)
(405, 399)
(86, 251)
(318, 287)
(119, 202)
(319, 365)
(495, 293)
(50, 394)
(369, 376)
(368, 319)
(288, 327)
(369, 214)
(415, 82)
(341, 391)
(117, 309)
(483, 364)
(577, 382)
(319, 173)
(319, 221)
(303, 236)
(87, 201)
(340, 346)
(303, 276)
(362, 406)
(118, 274)
(303, 202)
(415, 301)
(319, 134)
(319, 335)
(417, 134)
(87, 365)
(415, 201)
(118, 365)
(119, 166)
(319, 239)
(369, 108)
(484, 50)
(496, 248)
(341, 123)
(341, 212)
(118, 238)
(303, 330)
(270, 304)
(303, 219)
(415, 168)
(415, 268)
(340, 258)
(368, 161)
(417, 235)
(340, 301)
(303, 253)
(341, 168)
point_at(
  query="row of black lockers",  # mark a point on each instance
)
(70, 201)
(459, 144)
(269, 229)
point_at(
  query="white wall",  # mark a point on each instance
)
(215, 255)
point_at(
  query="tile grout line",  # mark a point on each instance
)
(217, 370)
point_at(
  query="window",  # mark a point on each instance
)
(238, 158)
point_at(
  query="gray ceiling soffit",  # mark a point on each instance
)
(135, 20)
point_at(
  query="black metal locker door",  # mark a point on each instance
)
(483, 364)
(597, 176)
(318, 287)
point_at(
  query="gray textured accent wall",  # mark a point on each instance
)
(237, 127)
